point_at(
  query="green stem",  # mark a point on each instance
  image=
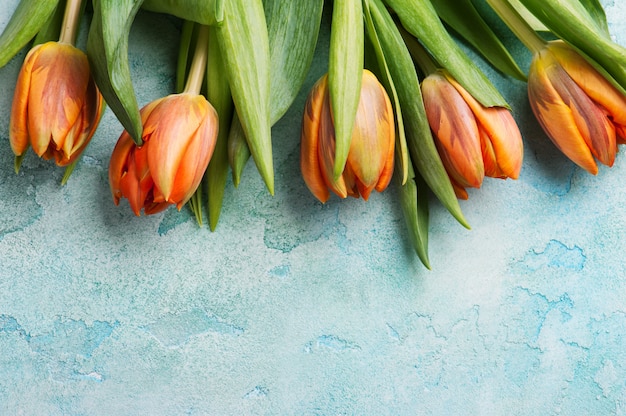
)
(70, 21)
(524, 32)
(198, 64)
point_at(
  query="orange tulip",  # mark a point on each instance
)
(57, 105)
(370, 158)
(473, 141)
(582, 113)
(179, 135)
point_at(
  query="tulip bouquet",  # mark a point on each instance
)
(400, 99)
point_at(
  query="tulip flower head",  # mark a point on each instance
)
(473, 141)
(370, 158)
(57, 105)
(179, 136)
(580, 111)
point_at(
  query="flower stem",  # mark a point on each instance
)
(70, 21)
(198, 64)
(524, 32)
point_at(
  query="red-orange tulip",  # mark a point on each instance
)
(582, 113)
(370, 158)
(473, 141)
(56, 106)
(179, 135)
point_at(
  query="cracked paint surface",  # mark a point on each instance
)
(292, 307)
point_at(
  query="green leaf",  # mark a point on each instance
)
(218, 94)
(27, 19)
(419, 137)
(528, 16)
(573, 22)
(187, 38)
(107, 49)
(244, 43)
(238, 151)
(462, 16)
(596, 12)
(414, 203)
(293, 27)
(421, 20)
(51, 30)
(345, 72)
(402, 154)
(206, 12)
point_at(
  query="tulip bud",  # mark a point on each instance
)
(580, 111)
(56, 106)
(370, 158)
(472, 140)
(179, 135)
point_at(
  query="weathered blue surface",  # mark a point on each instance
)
(296, 308)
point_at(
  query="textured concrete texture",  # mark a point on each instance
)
(296, 308)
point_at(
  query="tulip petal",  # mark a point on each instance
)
(58, 84)
(309, 142)
(171, 123)
(455, 130)
(195, 160)
(552, 84)
(118, 164)
(501, 141)
(326, 150)
(18, 128)
(556, 117)
(373, 134)
(596, 86)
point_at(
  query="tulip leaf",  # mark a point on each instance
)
(573, 22)
(596, 12)
(218, 94)
(421, 20)
(345, 72)
(244, 43)
(238, 151)
(527, 16)
(292, 28)
(462, 16)
(422, 149)
(402, 154)
(187, 35)
(414, 203)
(27, 19)
(107, 48)
(206, 12)
(51, 30)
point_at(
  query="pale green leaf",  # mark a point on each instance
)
(27, 19)
(218, 94)
(51, 30)
(462, 16)
(345, 72)
(421, 20)
(414, 203)
(107, 48)
(244, 43)
(206, 12)
(293, 27)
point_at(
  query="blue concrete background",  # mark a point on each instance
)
(296, 308)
